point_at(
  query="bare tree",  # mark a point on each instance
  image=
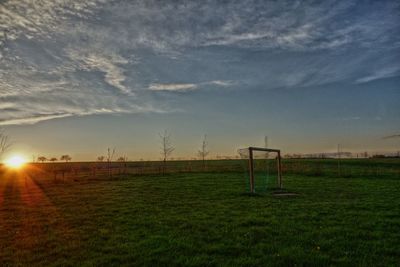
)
(5, 143)
(166, 147)
(122, 159)
(203, 151)
(65, 158)
(110, 156)
(122, 165)
(41, 159)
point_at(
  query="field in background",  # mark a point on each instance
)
(372, 167)
(196, 217)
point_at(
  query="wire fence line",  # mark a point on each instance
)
(367, 168)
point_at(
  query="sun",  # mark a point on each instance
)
(15, 162)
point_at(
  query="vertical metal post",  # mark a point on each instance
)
(279, 170)
(251, 169)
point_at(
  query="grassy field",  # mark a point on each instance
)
(202, 219)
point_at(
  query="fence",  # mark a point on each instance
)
(389, 168)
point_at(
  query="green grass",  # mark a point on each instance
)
(199, 219)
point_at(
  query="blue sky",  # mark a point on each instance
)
(80, 76)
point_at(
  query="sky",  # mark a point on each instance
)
(77, 77)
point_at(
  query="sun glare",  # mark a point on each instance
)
(15, 162)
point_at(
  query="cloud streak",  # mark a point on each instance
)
(33, 120)
(394, 136)
(172, 87)
(184, 87)
(380, 74)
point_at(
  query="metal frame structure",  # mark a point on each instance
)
(251, 165)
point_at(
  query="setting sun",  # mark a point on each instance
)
(15, 162)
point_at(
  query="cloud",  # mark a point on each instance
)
(183, 87)
(32, 120)
(354, 118)
(221, 83)
(73, 58)
(380, 74)
(294, 37)
(23, 115)
(292, 26)
(172, 86)
(109, 64)
(391, 136)
(41, 18)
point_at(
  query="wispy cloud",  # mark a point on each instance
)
(23, 115)
(27, 18)
(72, 58)
(353, 118)
(172, 86)
(393, 136)
(380, 74)
(222, 83)
(183, 87)
(32, 120)
(109, 64)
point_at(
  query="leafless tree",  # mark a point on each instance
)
(122, 159)
(41, 159)
(100, 159)
(203, 151)
(5, 143)
(166, 148)
(110, 156)
(65, 158)
(122, 165)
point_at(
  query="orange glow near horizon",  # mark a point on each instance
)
(15, 162)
